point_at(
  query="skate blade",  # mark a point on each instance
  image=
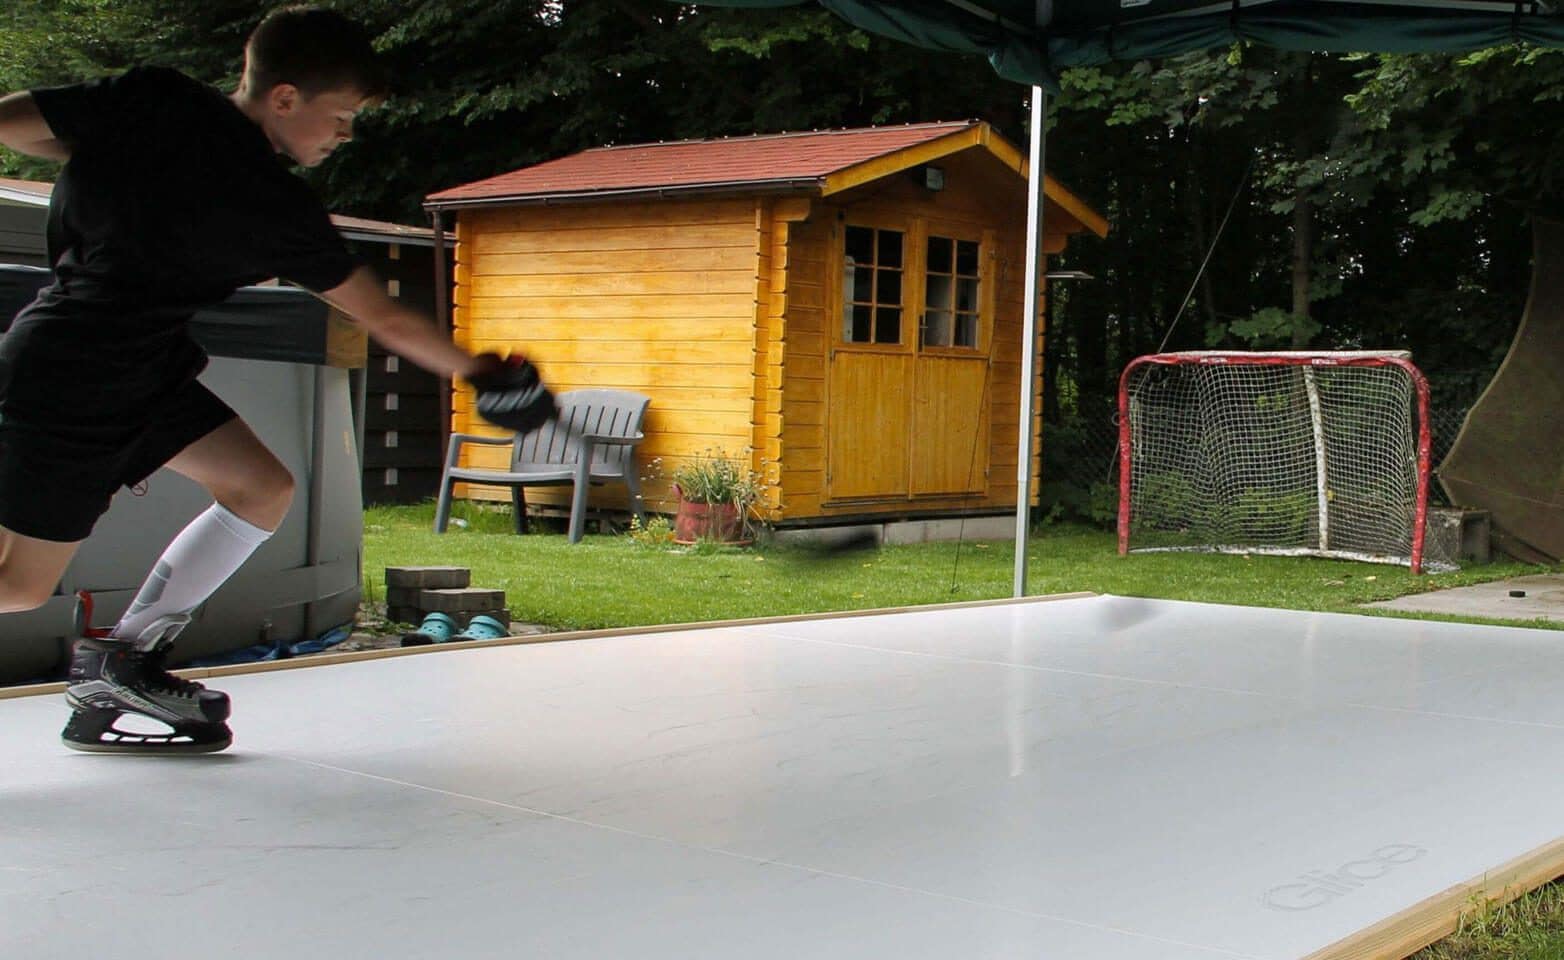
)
(94, 731)
(165, 749)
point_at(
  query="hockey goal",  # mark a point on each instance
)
(1295, 453)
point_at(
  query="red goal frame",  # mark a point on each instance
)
(1313, 358)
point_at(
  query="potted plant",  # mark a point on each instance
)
(715, 497)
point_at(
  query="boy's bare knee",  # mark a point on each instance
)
(280, 488)
(30, 570)
(20, 594)
(264, 501)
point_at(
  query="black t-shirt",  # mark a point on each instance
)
(171, 200)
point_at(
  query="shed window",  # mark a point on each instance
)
(871, 286)
(951, 299)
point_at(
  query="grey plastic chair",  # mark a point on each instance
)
(592, 442)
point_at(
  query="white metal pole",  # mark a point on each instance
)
(1321, 469)
(1034, 278)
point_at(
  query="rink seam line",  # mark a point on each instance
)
(1204, 688)
(760, 861)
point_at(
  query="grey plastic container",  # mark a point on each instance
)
(281, 360)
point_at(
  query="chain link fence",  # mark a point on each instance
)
(1081, 466)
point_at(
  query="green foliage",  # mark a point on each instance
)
(1167, 499)
(1095, 503)
(656, 532)
(486, 87)
(715, 478)
(1273, 328)
(1445, 203)
(1286, 517)
(1436, 115)
(1418, 172)
(1079, 461)
(1530, 928)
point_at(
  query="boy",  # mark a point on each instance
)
(172, 197)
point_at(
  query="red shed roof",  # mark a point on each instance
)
(777, 160)
(819, 163)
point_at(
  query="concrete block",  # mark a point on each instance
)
(904, 531)
(428, 578)
(1453, 535)
(930, 531)
(463, 600)
(404, 614)
(403, 596)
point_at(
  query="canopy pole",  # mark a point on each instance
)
(442, 319)
(1034, 277)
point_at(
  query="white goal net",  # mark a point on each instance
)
(1298, 453)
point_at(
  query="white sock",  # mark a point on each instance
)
(196, 563)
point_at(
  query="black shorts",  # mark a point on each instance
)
(82, 416)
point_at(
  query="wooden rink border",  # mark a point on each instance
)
(357, 656)
(1394, 938)
(1403, 934)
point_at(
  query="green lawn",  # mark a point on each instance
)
(613, 581)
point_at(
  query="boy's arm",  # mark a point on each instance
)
(23, 129)
(400, 328)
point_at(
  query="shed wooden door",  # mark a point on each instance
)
(949, 430)
(908, 372)
(870, 374)
(871, 397)
(949, 440)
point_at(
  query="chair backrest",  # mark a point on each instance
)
(613, 413)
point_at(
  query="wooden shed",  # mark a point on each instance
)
(840, 309)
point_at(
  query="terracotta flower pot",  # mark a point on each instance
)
(710, 522)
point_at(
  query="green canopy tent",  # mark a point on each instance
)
(1030, 41)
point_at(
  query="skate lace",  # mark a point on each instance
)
(149, 667)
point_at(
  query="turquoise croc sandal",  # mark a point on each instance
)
(438, 627)
(484, 628)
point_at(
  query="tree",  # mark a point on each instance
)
(1380, 201)
(486, 87)
(1385, 206)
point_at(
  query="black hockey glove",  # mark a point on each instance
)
(511, 395)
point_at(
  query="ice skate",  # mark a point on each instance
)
(110, 678)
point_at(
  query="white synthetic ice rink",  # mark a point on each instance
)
(1082, 779)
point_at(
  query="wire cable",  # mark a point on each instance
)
(1243, 182)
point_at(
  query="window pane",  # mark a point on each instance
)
(966, 330)
(860, 244)
(936, 328)
(937, 295)
(888, 289)
(858, 331)
(890, 248)
(939, 255)
(966, 295)
(966, 258)
(887, 325)
(863, 284)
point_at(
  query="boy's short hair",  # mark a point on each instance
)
(315, 50)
